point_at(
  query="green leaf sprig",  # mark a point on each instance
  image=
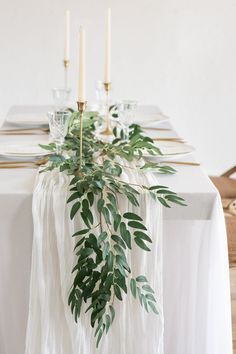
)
(102, 273)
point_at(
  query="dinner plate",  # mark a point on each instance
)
(147, 114)
(28, 116)
(22, 150)
(171, 149)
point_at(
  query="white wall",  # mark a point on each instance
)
(180, 55)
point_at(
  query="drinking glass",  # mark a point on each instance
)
(58, 125)
(61, 98)
(126, 113)
(100, 96)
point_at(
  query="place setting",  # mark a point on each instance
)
(41, 120)
(169, 146)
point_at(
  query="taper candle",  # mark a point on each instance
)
(67, 36)
(81, 97)
(107, 77)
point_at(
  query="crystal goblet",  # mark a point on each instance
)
(126, 113)
(100, 96)
(58, 125)
(61, 98)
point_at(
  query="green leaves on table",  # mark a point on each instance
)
(102, 274)
(141, 289)
(165, 196)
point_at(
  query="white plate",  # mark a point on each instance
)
(22, 150)
(171, 149)
(30, 116)
(146, 114)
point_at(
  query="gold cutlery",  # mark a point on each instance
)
(177, 140)
(159, 129)
(188, 163)
(25, 131)
(36, 164)
(23, 164)
(17, 166)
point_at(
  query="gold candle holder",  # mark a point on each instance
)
(66, 63)
(81, 109)
(108, 129)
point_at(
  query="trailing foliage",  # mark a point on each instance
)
(102, 273)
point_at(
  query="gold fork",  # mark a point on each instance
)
(177, 140)
(24, 131)
(17, 166)
(158, 129)
(187, 163)
(23, 164)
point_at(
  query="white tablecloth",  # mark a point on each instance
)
(196, 277)
(51, 327)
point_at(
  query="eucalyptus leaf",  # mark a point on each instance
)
(102, 237)
(118, 240)
(73, 196)
(90, 197)
(108, 323)
(153, 307)
(150, 297)
(163, 202)
(141, 244)
(100, 205)
(132, 216)
(99, 337)
(133, 287)
(112, 311)
(117, 292)
(137, 225)
(141, 279)
(74, 209)
(81, 232)
(79, 242)
(112, 199)
(117, 220)
(147, 287)
(142, 236)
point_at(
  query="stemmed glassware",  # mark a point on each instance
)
(126, 113)
(104, 101)
(61, 98)
(100, 96)
(58, 124)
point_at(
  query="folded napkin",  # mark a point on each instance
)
(28, 114)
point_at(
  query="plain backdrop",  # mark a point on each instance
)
(180, 55)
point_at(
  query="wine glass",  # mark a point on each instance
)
(58, 125)
(61, 98)
(100, 96)
(126, 113)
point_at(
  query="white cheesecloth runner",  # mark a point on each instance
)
(51, 327)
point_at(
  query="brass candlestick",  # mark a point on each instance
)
(108, 129)
(66, 63)
(81, 109)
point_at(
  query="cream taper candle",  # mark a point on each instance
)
(67, 36)
(81, 97)
(107, 77)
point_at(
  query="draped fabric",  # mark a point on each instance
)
(51, 327)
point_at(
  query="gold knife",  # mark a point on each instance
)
(159, 129)
(24, 131)
(187, 163)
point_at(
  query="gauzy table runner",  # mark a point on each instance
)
(51, 326)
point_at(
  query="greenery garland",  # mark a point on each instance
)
(102, 272)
